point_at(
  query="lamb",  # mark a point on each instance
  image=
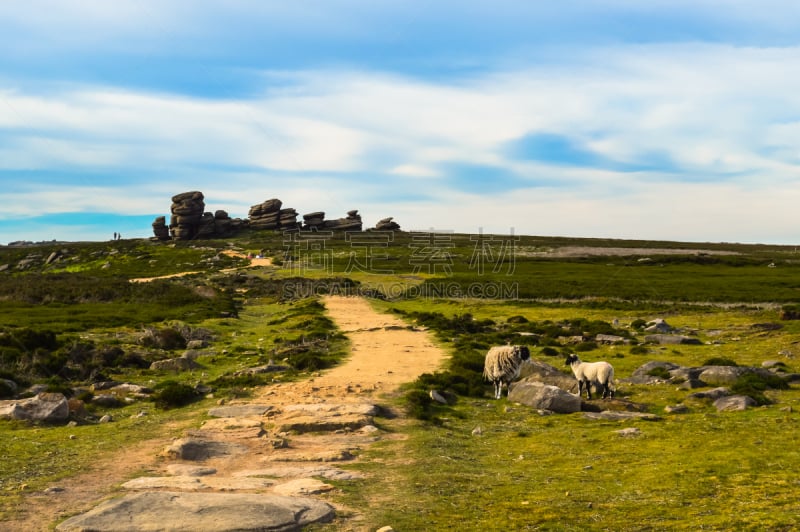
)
(502, 365)
(588, 373)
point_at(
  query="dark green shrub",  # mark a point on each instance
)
(639, 350)
(754, 385)
(549, 351)
(660, 372)
(6, 391)
(720, 361)
(419, 405)
(586, 346)
(171, 394)
(517, 319)
(638, 324)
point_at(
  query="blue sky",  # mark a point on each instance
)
(670, 120)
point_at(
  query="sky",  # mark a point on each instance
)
(659, 120)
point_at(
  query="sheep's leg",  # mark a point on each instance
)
(498, 389)
(588, 389)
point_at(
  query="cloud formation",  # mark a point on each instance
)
(576, 131)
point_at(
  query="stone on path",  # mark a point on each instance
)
(239, 410)
(187, 483)
(198, 449)
(165, 511)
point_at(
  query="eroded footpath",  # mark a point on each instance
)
(262, 463)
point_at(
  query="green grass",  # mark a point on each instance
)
(699, 470)
(564, 472)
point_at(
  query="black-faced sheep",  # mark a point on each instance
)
(502, 365)
(588, 373)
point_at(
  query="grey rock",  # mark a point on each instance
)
(198, 449)
(535, 371)
(200, 512)
(45, 407)
(714, 394)
(544, 397)
(734, 403)
(239, 410)
(620, 416)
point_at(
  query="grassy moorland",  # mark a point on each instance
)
(70, 317)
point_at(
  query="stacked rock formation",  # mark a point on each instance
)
(266, 215)
(316, 221)
(187, 215)
(160, 229)
(189, 219)
(269, 215)
(387, 224)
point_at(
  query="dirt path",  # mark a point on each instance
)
(385, 353)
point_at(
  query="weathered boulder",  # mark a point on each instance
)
(200, 512)
(726, 375)
(535, 371)
(196, 449)
(658, 325)
(734, 403)
(175, 364)
(387, 224)
(671, 339)
(642, 374)
(544, 397)
(45, 407)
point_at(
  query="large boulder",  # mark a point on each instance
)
(201, 512)
(44, 407)
(535, 371)
(544, 397)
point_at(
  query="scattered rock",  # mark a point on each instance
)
(545, 397)
(45, 407)
(240, 410)
(197, 449)
(734, 403)
(620, 416)
(630, 432)
(302, 487)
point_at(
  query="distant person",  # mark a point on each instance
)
(115, 235)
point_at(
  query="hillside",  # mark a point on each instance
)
(205, 313)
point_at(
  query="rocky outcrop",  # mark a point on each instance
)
(316, 221)
(189, 220)
(387, 224)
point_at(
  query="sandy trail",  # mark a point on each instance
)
(385, 353)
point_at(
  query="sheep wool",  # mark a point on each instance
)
(502, 365)
(588, 373)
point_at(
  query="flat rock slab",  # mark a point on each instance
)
(199, 449)
(239, 410)
(321, 423)
(328, 409)
(324, 471)
(186, 483)
(166, 511)
(302, 487)
(189, 470)
(609, 415)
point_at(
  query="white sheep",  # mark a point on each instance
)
(588, 373)
(502, 365)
